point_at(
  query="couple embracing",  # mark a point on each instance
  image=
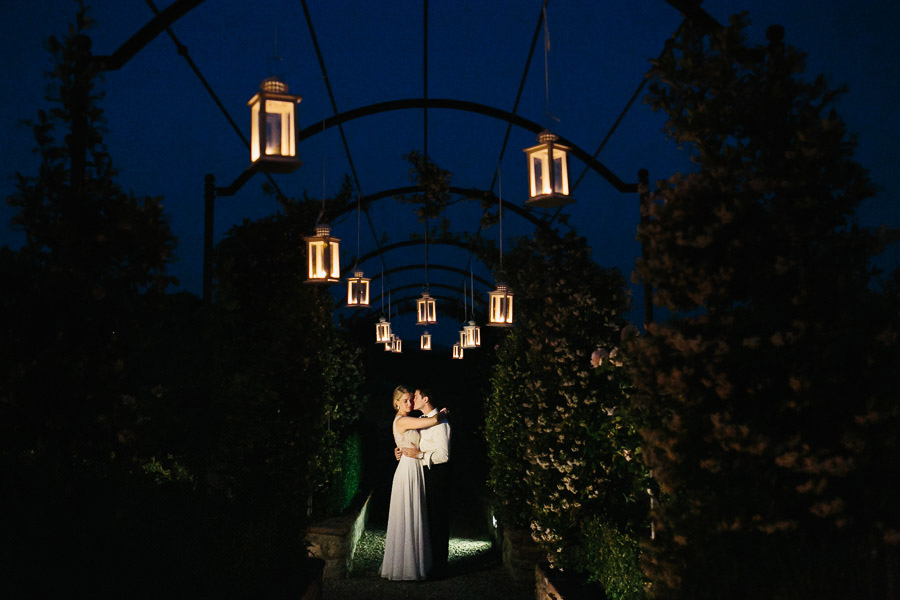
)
(418, 533)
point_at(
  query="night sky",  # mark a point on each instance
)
(166, 133)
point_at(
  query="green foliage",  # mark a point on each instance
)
(286, 384)
(767, 394)
(337, 472)
(504, 424)
(435, 196)
(169, 470)
(615, 555)
(560, 436)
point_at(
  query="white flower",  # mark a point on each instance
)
(598, 357)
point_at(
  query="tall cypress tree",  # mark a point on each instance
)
(769, 389)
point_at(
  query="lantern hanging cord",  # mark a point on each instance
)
(472, 289)
(426, 250)
(358, 203)
(322, 212)
(465, 303)
(500, 213)
(183, 51)
(425, 75)
(534, 39)
(315, 41)
(547, 63)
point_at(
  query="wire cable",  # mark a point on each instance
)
(183, 51)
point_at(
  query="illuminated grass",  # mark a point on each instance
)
(370, 551)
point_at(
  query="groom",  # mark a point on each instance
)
(434, 452)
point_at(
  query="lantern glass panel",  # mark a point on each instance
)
(382, 331)
(279, 126)
(254, 128)
(540, 171)
(333, 258)
(426, 310)
(472, 335)
(358, 290)
(501, 307)
(323, 255)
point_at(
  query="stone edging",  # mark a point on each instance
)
(334, 540)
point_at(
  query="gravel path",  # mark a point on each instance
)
(475, 572)
(475, 568)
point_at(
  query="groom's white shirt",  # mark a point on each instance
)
(435, 442)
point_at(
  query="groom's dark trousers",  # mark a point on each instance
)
(438, 501)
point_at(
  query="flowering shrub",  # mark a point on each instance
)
(767, 393)
(560, 436)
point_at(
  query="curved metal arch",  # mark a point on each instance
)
(474, 107)
(418, 286)
(412, 189)
(407, 305)
(145, 35)
(439, 267)
(374, 302)
(402, 244)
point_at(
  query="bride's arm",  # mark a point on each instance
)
(404, 423)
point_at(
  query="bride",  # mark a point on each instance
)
(407, 552)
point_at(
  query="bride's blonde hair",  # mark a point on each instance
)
(398, 393)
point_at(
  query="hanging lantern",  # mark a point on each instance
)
(426, 309)
(382, 331)
(273, 142)
(425, 341)
(462, 338)
(548, 173)
(396, 344)
(457, 351)
(472, 335)
(358, 290)
(323, 252)
(500, 313)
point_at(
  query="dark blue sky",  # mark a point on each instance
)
(165, 132)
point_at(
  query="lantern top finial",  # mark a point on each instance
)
(273, 85)
(323, 230)
(546, 136)
(358, 274)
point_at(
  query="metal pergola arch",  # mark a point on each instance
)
(380, 251)
(405, 243)
(525, 213)
(467, 106)
(440, 267)
(407, 304)
(417, 286)
(178, 8)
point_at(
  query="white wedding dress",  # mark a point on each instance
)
(407, 552)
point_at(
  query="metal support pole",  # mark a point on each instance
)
(209, 200)
(644, 195)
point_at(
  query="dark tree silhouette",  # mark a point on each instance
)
(773, 428)
(92, 255)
